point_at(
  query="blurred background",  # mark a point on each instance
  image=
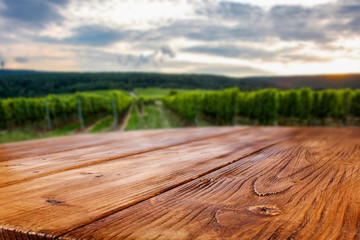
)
(72, 67)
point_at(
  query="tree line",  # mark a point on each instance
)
(37, 84)
(269, 106)
(54, 111)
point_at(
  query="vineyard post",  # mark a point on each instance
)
(195, 111)
(234, 109)
(347, 110)
(65, 110)
(80, 113)
(48, 115)
(114, 112)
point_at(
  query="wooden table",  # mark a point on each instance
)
(199, 183)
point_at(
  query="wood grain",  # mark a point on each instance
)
(306, 187)
(40, 147)
(52, 205)
(66, 154)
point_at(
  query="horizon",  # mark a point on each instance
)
(235, 38)
(189, 73)
(179, 73)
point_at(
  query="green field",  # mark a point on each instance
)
(144, 92)
(102, 93)
(160, 92)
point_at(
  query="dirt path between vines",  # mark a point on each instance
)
(125, 119)
(88, 128)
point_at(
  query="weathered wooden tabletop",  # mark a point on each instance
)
(200, 183)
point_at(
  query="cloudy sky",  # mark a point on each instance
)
(233, 37)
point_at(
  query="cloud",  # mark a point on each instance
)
(350, 12)
(298, 23)
(278, 35)
(166, 50)
(231, 70)
(348, 8)
(34, 13)
(354, 25)
(229, 21)
(218, 32)
(319, 23)
(94, 35)
(231, 51)
(99, 60)
(304, 58)
(233, 11)
(212, 68)
(154, 59)
(247, 53)
(21, 59)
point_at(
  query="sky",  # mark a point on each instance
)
(235, 37)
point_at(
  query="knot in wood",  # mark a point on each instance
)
(267, 210)
(54, 201)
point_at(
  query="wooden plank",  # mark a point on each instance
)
(304, 188)
(107, 148)
(58, 203)
(40, 147)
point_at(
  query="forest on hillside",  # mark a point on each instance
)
(32, 84)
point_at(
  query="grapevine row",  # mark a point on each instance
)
(268, 106)
(57, 111)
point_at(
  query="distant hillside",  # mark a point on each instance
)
(14, 83)
(5, 72)
(40, 84)
(315, 82)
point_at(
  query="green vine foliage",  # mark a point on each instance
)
(16, 112)
(265, 107)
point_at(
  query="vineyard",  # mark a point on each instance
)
(55, 115)
(270, 107)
